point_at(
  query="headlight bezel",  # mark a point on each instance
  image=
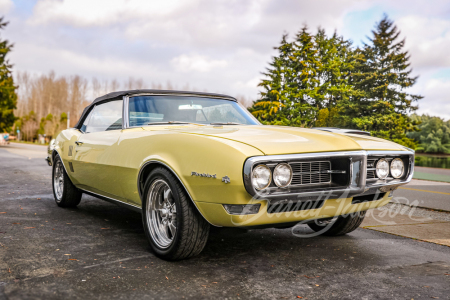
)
(403, 168)
(290, 175)
(382, 160)
(253, 177)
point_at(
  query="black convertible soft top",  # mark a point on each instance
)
(120, 94)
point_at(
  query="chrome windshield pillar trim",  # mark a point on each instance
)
(126, 122)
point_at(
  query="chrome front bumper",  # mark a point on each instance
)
(48, 160)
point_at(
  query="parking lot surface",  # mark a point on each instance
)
(99, 251)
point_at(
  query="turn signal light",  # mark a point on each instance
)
(248, 209)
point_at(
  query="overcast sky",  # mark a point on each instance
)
(218, 46)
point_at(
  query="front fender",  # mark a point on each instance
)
(187, 153)
(61, 146)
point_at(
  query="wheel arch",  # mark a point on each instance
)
(148, 167)
(54, 153)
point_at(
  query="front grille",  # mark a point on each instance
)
(371, 174)
(274, 208)
(312, 172)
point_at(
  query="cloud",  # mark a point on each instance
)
(5, 6)
(194, 23)
(86, 13)
(187, 63)
(69, 62)
(222, 45)
(427, 39)
(437, 98)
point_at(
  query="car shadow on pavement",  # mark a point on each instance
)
(125, 227)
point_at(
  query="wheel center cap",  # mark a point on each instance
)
(165, 213)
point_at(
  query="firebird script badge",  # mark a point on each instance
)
(203, 175)
(226, 179)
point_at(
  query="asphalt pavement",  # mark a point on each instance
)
(99, 251)
(428, 194)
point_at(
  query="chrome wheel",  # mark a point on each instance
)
(58, 180)
(161, 214)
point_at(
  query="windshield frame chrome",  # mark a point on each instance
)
(126, 99)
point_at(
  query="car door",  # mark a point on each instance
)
(96, 157)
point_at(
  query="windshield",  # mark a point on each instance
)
(148, 110)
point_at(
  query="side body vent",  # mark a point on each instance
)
(71, 166)
(70, 150)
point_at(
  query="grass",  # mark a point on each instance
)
(432, 177)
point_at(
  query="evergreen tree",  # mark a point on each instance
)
(8, 97)
(381, 76)
(310, 74)
(284, 101)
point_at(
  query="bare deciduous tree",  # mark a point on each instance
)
(246, 102)
(45, 101)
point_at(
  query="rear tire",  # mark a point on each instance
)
(173, 226)
(342, 225)
(65, 193)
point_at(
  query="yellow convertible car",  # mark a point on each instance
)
(188, 161)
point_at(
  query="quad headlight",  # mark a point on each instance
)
(382, 168)
(282, 175)
(261, 177)
(397, 168)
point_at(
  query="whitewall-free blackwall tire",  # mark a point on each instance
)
(65, 193)
(173, 226)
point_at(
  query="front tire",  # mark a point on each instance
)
(65, 193)
(341, 225)
(172, 224)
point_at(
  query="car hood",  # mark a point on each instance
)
(287, 140)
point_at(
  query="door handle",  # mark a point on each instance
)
(79, 143)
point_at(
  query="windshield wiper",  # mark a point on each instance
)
(227, 123)
(170, 122)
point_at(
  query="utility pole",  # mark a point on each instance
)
(68, 120)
